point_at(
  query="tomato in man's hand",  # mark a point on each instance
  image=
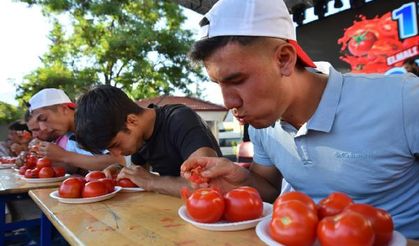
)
(125, 182)
(346, 228)
(295, 195)
(46, 172)
(22, 170)
(381, 222)
(94, 188)
(71, 188)
(333, 204)
(196, 176)
(109, 184)
(59, 171)
(243, 203)
(31, 161)
(294, 223)
(43, 162)
(95, 175)
(205, 205)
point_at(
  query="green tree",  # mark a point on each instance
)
(9, 113)
(137, 45)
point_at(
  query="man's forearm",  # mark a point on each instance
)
(97, 162)
(168, 185)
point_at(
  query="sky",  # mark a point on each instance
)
(23, 39)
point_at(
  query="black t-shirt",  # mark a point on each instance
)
(178, 132)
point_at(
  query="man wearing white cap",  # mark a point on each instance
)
(53, 111)
(356, 134)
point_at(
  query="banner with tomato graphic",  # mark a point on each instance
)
(376, 38)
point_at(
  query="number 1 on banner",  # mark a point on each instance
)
(406, 17)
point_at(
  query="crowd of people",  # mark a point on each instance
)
(312, 131)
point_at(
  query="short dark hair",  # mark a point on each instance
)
(101, 113)
(203, 49)
(411, 61)
(18, 126)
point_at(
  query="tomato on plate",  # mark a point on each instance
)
(196, 176)
(243, 203)
(30, 174)
(71, 188)
(125, 182)
(333, 204)
(381, 222)
(94, 188)
(46, 172)
(361, 42)
(109, 184)
(95, 175)
(59, 171)
(205, 205)
(346, 228)
(43, 162)
(295, 195)
(293, 223)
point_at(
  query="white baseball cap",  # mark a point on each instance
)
(263, 18)
(48, 97)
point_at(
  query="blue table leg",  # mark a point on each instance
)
(2, 220)
(46, 227)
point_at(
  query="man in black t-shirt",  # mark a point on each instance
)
(160, 137)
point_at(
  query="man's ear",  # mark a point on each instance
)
(132, 120)
(286, 57)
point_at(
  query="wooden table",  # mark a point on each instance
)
(13, 187)
(142, 218)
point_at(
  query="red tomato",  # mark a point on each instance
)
(361, 42)
(380, 220)
(333, 204)
(205, 205)
(46, 172)
(31, 161)
(196, 176)
(95, 175)
(94, 188)
(22, 170)
(243, 203)
(109, 184)
(71, 188)
(347, 228)
(296, 195)
(43, 162)
(124, 182)
(59, 171)
(294, 223)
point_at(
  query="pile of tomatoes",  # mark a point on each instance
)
(335, 220)
(94, 184)
(208, 205)
(40, 168)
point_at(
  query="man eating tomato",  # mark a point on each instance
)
(51, 115)
(356, 134)
(161, 137)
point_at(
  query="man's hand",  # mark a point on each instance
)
(221, 172)
(112, 171)
(52, 151)
(139, 176)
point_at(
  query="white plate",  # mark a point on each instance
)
(6, 165)
(55, 195)
(223, 225)
(45, 180)
(263, 234)
(130, 189)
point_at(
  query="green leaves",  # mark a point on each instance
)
(137, 45)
